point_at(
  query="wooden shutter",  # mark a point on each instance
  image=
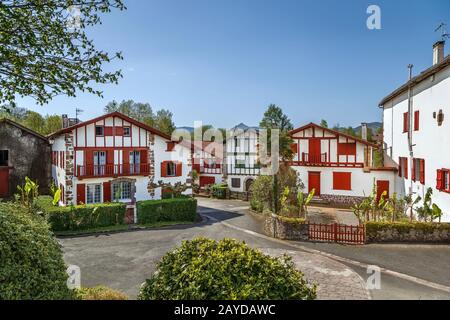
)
(81, 193)
(422, 171)
(413, 170)
(400, 166)
(405, 122)
(405, 165)
(294, 147)
(119, 131)
(108, 131)
(107, 191)
(164, 169)
(342, 181)
(416, 120)
(144, 156)
(439, 179)
(179, 169)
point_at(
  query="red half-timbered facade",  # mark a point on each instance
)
(115, 158)
(336, 165)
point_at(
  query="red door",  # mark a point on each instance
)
(204, 181)
(314, 150)
(4, 182)
(314, 182)
(382, 186)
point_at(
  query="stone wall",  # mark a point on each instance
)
(341, 200)
(28, 155)
(286, 228)
(69, 169)
(407, 232)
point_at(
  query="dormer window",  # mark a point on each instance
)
(99, 131)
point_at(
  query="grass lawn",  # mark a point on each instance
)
(122, 227)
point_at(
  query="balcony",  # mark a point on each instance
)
(242, 170)
(322, 160)
(112, 170)
(312, 159)
(208, 168)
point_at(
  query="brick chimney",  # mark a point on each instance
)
(438, 52)
(65, 121)
(364, 131)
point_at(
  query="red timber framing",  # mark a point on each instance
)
(346, 145)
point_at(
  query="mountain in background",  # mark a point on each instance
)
(372, 125)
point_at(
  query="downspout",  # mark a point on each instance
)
(410, 126)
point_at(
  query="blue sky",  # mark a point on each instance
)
(223, 61)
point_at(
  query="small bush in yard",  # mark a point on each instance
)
(177, 209)
(31, 261)
(209, 270)
(99, 293)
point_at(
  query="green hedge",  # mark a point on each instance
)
(177, 209)
(82, 217)
(31, 261)
(204, 269)
(219, 191)
(373, 227)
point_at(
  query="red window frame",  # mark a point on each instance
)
(416, 120)
(442, 176)
(342, 181)
(403, 167)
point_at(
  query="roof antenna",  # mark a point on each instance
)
(443, 29)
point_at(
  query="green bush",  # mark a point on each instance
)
(177, 209)
(373, 227)
(219, 191)
(205, 269)
(82, 217)
(99, 293)
(31, 261)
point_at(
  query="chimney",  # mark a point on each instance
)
(65, 121)
(364, 131)
(438, 52)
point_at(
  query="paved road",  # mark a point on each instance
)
(124, 260)
(428, 262)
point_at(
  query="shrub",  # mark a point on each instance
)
(205, 269)
(177, 209)
(99, 293)
(373, 227)
(82, 217)
(31, 262)
(219, 191)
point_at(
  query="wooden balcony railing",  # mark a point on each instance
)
(242, 170)
(208, 168)
(308, 158)
(113, 170)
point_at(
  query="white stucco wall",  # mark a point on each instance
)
(58, 173)
(431, 142)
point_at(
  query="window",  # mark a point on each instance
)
(418, 170)
(443, 180)
(135, 160)
(99, 131)
(405, 122)
(122, 190)
(4, 158)
(236, 143)
(126, 131)
(416, 120)
(239, 163)
(235, 182)
(403, 167)
(99, 163)
(342, 181)
(171, 169)
(93, 193)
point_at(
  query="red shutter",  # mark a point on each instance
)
(164, 169)
(108, 131)
(170, 146)
(107, 191)
(416, 121)
(179, 169)
(439, 179)
(126, 161)
(144, 156)
(400, 166)
(81, 193)
(342, 181)
(119, 131)
(405, 165)
(405, 122)
(422, 171)
(413, 170)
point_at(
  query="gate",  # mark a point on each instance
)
(340, 233)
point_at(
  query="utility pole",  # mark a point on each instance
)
(410, 124)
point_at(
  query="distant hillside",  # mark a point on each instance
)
(190, 129)
(372, 125)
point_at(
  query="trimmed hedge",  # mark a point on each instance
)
(177, 209)
(82, 217)
(99, 293)
(204, 269)
(219, 191)
(31, 261)
(407, 232)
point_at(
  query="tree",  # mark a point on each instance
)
(45, 50)
(52, 123)
(274, 118)
(324, 123)
(34, 121)
(163, 121)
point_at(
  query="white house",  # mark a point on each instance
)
(207, 161)
(338, 166)
(242, 164)
(416, 125)
(116, 158)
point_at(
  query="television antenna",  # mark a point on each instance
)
(442, 28)
(78, 111)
